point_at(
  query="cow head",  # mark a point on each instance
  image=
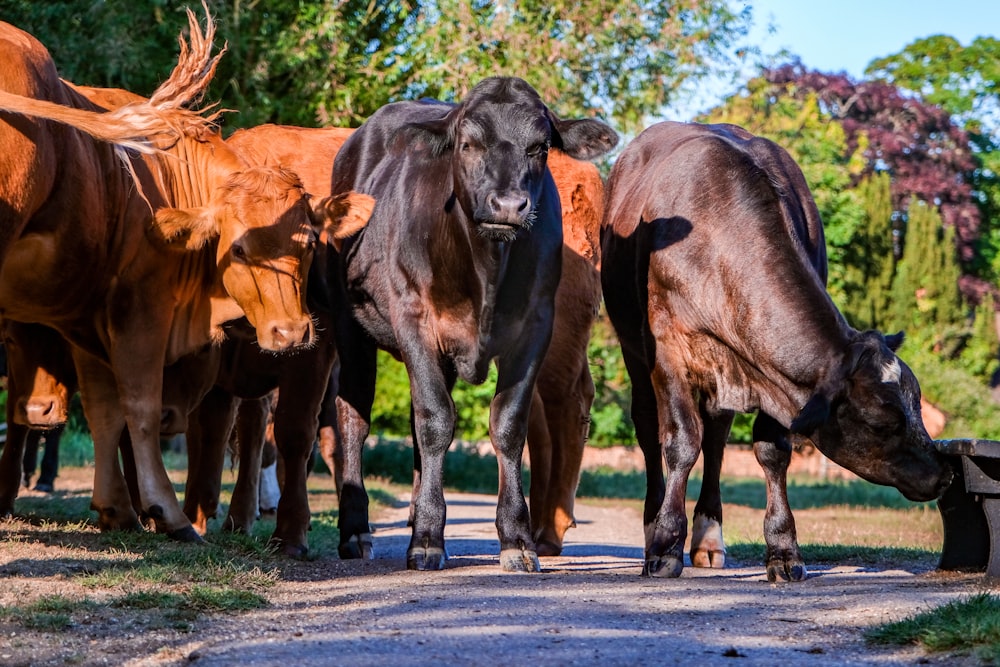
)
(41, 372)
(499, 139)
(267, 227)
(866, 417)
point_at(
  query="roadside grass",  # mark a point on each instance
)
(144, 580)
(971, 626)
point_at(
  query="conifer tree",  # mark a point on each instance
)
(869, 263)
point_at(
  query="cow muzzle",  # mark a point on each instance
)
(284, 335)
(503, 215)
(41, 412)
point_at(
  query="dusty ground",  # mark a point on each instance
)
(589, 606)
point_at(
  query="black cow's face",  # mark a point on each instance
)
(874, 427)
(500, 149)
(499, 139)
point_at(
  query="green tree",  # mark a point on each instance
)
(334, 62)
(965, 82)
(925, 288)
(869, 270)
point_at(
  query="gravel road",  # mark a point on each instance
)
(589, 606)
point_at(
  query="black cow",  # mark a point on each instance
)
(457, 267)
(713, 275)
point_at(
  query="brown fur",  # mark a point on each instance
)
(128, 305)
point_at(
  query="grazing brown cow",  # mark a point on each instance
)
(40, 381)
(713, 271)
(143, 265)
(457, 268)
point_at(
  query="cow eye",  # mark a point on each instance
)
(538, 150)
(239, 253)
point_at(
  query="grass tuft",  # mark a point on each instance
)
(963, 625)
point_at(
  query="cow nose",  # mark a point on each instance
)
(509, 207)
(286, 335)
(172, 421)
(41, 411)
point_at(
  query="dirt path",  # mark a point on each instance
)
(588, 607)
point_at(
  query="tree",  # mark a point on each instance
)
(965, 82)
(869, 270)
(336, 61)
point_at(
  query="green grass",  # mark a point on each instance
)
(970, 625)
(50, 613)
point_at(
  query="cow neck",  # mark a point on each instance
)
(812, 353)
(190, 176)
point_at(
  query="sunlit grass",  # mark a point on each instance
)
(969, 625)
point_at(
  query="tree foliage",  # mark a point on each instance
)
(334, 62)
(965, 82)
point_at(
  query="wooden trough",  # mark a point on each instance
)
(970, 507)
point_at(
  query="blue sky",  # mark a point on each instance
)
(845, 35)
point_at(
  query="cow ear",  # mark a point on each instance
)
(342, 215)
(436, 137)
(583, 139)
(894, 341)
(185, 228)
(812, 415)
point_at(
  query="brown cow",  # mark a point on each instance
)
(133, 291)
(713, 271)
(40, 381)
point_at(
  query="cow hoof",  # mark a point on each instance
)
(425, 558)
(231, 525)
(785, 570)
(707, 558)
(108, 521)
(664, 567)
(359, 546)
(519, 560)
(185, 534)
(290, 549)
(546, 549)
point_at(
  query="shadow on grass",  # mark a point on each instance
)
(749, 554)
(468, 471)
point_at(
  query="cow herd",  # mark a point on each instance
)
(176, 279)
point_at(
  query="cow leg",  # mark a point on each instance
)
(207, 437)
(708, 549)
(101, 406)
(415, 486)
(433, 422)
(355, 395)
(251, 424)
(137, 353)
(679, 431)
(508, 431)
(328, 425)
(296, 422)
(540, 452)
(10, 463)
(774, 453)
(568, 419)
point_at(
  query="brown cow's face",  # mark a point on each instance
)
(267, 227)
(41, 375)
(266, 241)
